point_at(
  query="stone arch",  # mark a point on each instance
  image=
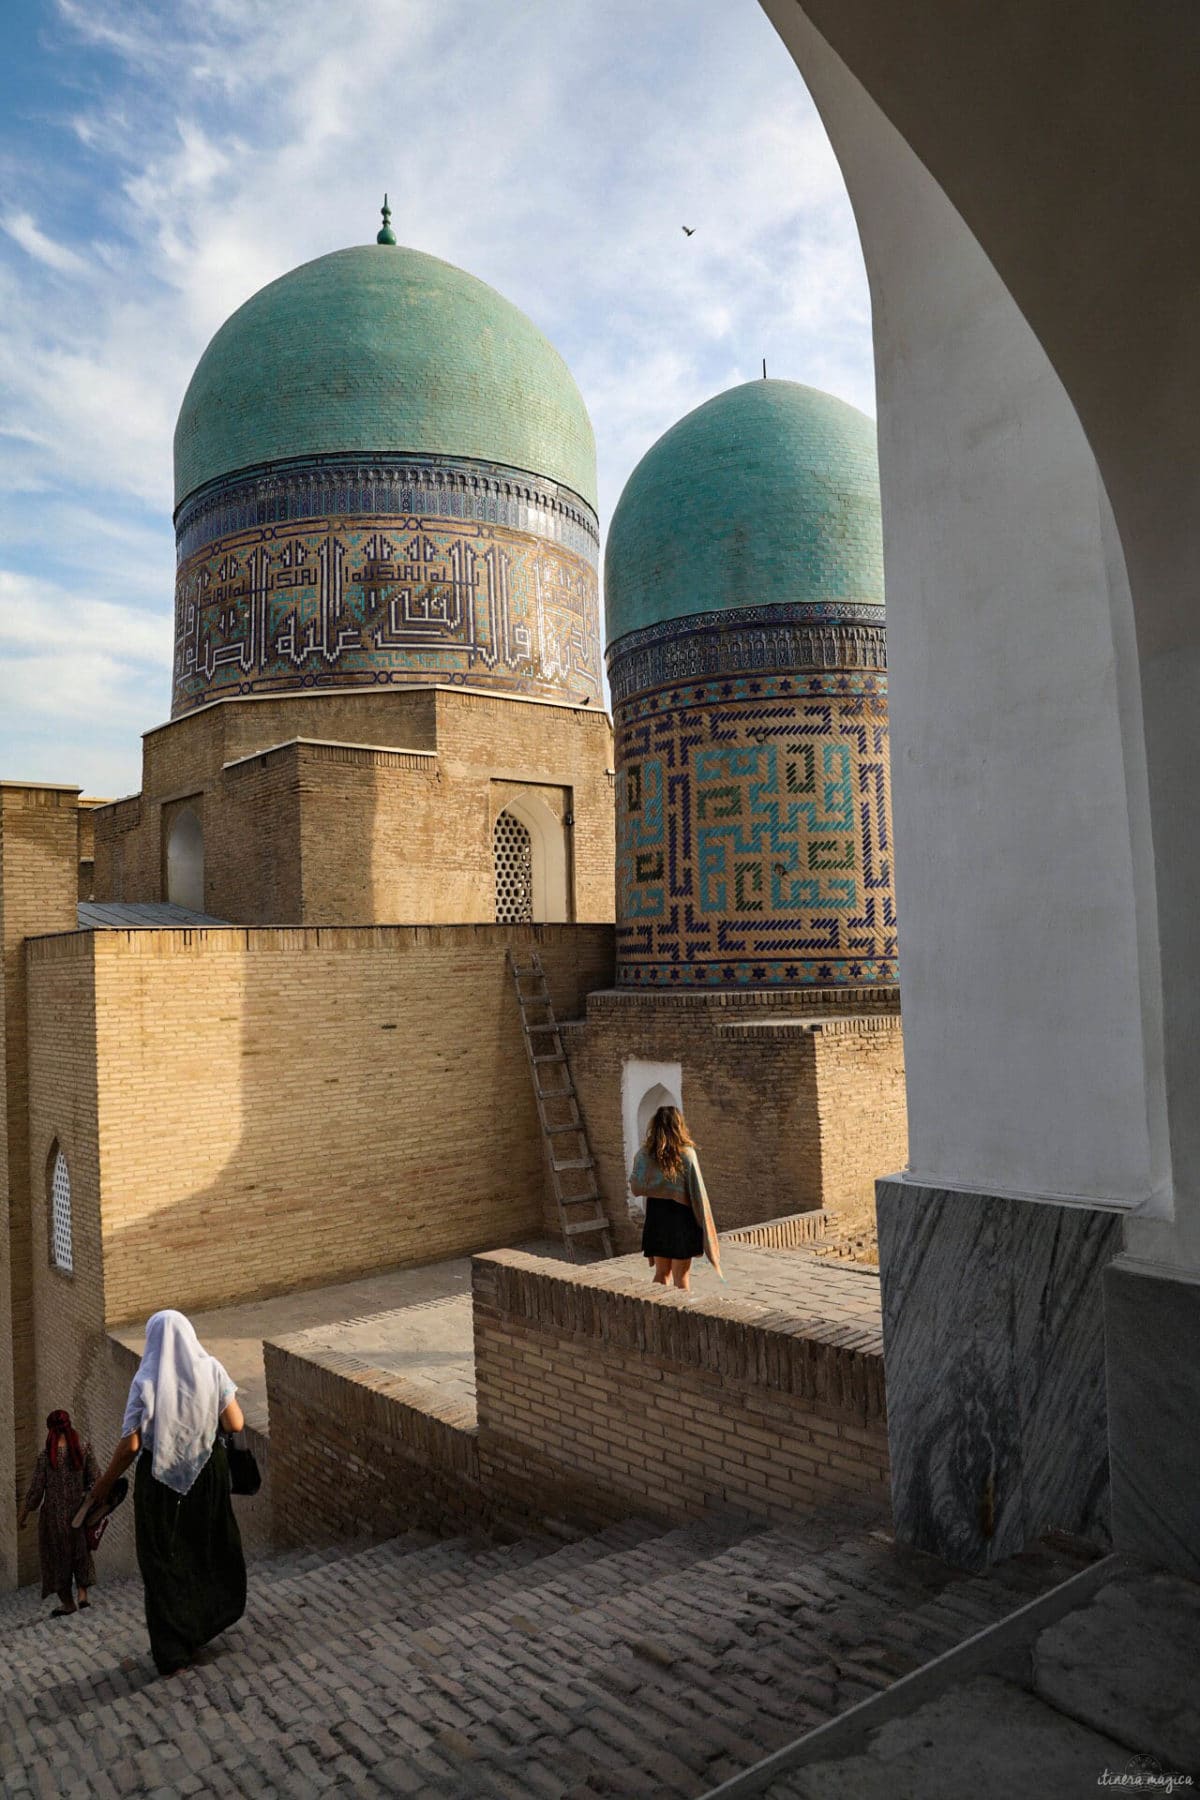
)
(549, 876)
(185, 861)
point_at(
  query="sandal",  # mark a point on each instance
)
(63, 1612)
(84, 1606)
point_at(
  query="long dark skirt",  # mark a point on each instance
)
(189, 1550)
(671, 1230)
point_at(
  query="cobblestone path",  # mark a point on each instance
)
(640, 1661)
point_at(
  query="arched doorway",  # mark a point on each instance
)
(185, 862)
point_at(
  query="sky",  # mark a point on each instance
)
(160, 162)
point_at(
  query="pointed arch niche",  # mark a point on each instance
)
(523, 815)
(645, 1086)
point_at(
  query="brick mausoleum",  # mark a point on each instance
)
(259, 1030)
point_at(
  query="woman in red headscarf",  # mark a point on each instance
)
(66, 1471)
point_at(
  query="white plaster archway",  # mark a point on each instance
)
(551, 888)
(645, 1086)
(185, 862)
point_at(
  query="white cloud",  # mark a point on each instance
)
(552, 147)
(24, 230)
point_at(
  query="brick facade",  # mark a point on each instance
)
(793, 1105)
(255, 1111)
(597, 1402)
(363, 808)
(597, 1398)
(39, 884)
(356, 1452)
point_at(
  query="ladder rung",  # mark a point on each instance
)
(578, 1162)
(532, 1028)
(555, 1056)
(555, 1130)
(585, 1225)
(591, 1198)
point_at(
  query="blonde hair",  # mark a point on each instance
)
(667, 1139)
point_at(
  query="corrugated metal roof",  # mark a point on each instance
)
(116, 915)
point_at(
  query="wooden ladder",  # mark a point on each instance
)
(579, 1210)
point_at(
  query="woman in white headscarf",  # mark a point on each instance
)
(189, 1548)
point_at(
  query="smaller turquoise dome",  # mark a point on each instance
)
(768, 493)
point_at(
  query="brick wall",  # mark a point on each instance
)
(357, 1452)
(594, 1402)
(797, 1231)
(790, 1105)
(344, 815)
(39, 881)
(864, 1114)
(282, 1108)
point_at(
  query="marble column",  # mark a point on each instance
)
(994, 1357)
(1152, 1329)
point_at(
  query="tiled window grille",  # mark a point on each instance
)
(512, 848)
(60, 1204)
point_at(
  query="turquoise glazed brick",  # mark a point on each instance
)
(382, 349)
(767, 494)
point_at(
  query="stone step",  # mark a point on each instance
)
(414, 1576)
(697, 1652)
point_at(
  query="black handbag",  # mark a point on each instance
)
(244, 1474)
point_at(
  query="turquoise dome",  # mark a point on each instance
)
(381, 349)
(768, 493)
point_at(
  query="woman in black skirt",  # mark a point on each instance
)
(189, 1549)
(679, 1221)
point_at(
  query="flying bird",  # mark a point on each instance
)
(688, 230)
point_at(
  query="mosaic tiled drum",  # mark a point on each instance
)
(744, 588)
(384, 473)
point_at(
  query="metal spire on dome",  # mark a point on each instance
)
(386, 235)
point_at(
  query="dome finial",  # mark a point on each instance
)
(387, 235)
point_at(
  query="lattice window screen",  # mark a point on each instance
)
(512, 848)
(60, 1200)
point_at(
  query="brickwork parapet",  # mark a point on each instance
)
(837, 1366)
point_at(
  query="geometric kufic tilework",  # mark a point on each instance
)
(463, 595)
(754, 833)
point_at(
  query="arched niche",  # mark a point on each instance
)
(185, 861)
(549, 876)
(645, 1086)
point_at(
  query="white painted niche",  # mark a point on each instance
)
(645, 1086)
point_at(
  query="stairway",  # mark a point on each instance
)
(569, 1158)
(642, 1660)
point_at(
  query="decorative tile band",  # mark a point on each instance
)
(338, 602)
(791, 638)
(754, 834)
(388, 486)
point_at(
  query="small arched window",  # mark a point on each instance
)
(60, 1212)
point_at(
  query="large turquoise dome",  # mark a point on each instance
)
(767, 494)
(382, 350)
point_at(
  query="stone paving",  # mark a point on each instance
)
(1108, 1698)
(417, 1322)
(639, 1661)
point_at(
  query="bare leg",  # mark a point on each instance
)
(662, 1271)
(682, 1271)
(83, 1599)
